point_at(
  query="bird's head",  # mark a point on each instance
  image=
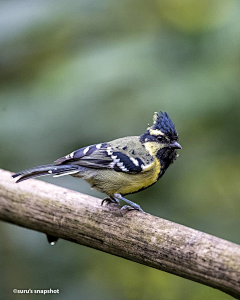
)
(161, 135)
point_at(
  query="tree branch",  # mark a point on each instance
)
(136, 236)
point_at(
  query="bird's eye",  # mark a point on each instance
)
(159, 138)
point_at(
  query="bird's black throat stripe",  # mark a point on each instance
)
(166, 157)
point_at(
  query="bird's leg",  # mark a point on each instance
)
(131, 205)
(110, 200)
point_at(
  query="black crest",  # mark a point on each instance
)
(161, 121)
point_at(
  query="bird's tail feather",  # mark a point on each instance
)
(46, 170)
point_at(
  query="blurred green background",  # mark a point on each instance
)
(77, 72)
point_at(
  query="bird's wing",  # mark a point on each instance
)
(104, 156)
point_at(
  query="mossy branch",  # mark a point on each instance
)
(136, 236)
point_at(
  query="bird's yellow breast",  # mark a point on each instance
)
(141, 180)
(111, 182)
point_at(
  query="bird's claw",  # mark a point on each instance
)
(129, 207)
(109, 200)
(126, 207)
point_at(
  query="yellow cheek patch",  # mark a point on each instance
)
(153, 147)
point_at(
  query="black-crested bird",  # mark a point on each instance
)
(120, 167)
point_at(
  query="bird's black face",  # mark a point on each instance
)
(157, 144)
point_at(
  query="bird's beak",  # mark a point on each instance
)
(175, 145)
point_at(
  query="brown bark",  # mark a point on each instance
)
(136, 236)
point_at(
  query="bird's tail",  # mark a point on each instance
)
(54, 170)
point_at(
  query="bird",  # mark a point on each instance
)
(120, 167)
